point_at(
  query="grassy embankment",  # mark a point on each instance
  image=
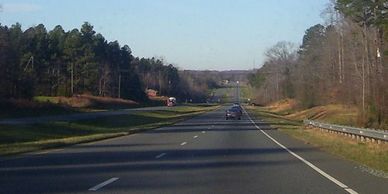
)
(16, 139)
(44, 105)
(287, 119)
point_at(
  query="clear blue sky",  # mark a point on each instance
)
(192, 34)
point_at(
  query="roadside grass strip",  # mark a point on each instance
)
(15, 139)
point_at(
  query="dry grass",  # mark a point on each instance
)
(45, 105)
(158, 98)
(334, 113)
(87, 101)
(285, 106)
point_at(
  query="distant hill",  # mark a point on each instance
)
(219, 76)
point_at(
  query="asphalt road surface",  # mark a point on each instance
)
(205, 154)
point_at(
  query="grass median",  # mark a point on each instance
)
(15, 139)
(372, 155)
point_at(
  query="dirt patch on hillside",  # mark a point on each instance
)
(285, 106)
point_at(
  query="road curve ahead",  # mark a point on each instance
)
(206, 154)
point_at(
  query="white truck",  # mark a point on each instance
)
(171, 101)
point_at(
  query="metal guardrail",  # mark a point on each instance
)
(357, 132)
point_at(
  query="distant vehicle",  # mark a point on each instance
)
(171, 101)
(237, 105)
(233, 113)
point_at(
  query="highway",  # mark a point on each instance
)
(205, 154)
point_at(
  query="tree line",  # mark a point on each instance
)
(343, 61)
(81, 61)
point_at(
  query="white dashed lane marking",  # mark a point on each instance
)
(103, 184)
(160, 155)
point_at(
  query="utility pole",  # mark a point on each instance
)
(30, 61)
(72, 79)
(119, 84)
(120, 72)
(160, 83)
(238, 92)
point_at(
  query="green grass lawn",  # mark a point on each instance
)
(370, 154)
(16, 139)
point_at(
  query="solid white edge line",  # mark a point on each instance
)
(351, 191)
(103, 184)
(183, 143)
(160, 155)
(332, 179)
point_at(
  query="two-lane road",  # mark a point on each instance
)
(206, 154)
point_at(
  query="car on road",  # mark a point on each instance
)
(233, 113)
(237, 105)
